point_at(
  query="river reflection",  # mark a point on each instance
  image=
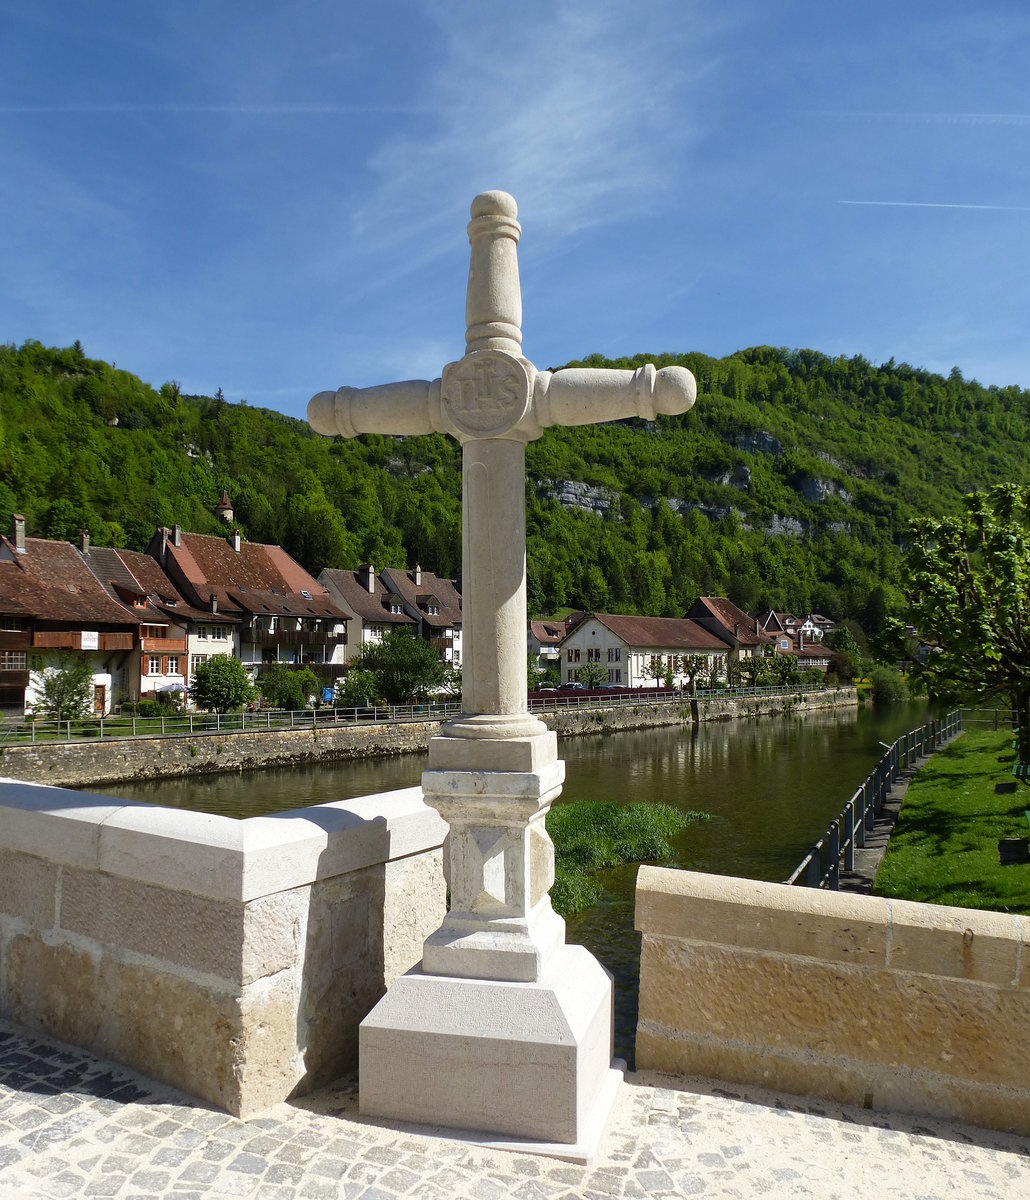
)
(771, 787)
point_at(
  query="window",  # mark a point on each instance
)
(10, 625)
(13, 660)
(576, 659)
(196, 660)
(618, 654)
(173, 665)
(36, 662)
(154, 664)
(618, 676)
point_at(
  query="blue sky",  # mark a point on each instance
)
(271, 198)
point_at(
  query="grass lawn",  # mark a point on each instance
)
(944, 848)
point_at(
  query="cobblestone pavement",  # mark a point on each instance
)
(73, 1126)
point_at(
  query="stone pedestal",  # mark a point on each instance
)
(502, 1028)
(527, 1065)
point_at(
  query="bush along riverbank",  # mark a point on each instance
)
(590, 835)
(113, 760)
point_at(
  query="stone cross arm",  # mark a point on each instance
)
(577, 396)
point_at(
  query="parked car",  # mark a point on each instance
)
(572, 686)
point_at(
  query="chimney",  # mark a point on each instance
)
(418, 575)
(801, 640)
(84, 540)
(177, 536)
(164, 546)
(236, 540)
(214, 602)
(367, 576)
(736, 629)
(18, 532)
(756, 626)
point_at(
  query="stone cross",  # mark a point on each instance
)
(494, 771)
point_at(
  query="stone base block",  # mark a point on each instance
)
(529, 1061)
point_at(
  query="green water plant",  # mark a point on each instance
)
(590, 835)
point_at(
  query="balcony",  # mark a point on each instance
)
(152, 645)
(292, 638)
(15, 639)
(71, 639)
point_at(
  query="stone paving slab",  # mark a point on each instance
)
(73, 1125)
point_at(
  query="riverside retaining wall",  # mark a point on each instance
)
(82, 764)
(886, 1004)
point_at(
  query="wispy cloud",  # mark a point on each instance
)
(927, 204)
(1017, 120)
(574, 115)
(274, 109)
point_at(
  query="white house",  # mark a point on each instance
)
(637, 652)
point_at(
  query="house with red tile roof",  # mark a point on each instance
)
(434, 603)
(52, 606)
(250, 599)
(372, 607)
(742, 633)
(639, 651)
(542, 641)
(137, 581)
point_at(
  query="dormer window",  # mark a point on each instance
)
(306, 595)
(396, 608)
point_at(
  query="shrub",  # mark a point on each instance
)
(589, 835)
(889, 686)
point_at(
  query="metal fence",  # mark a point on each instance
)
(19, 732)
(821, 866)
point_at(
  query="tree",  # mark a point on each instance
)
(221, 684)
(283, 687)
(404, 666)
(968, 584)
(357, 689)
(67, 689)
(592, 674)
(784, 669)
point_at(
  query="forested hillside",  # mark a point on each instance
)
(790, 483)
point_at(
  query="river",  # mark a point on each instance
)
(771, 787)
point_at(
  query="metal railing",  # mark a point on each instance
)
(200, 724)
(821, 866)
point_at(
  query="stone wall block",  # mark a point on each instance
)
(270, 1047)
(762, 916)
(181, 929)
(174, 1030)
(670, 1050)
(962, 943)
(274, 933)
(344, 928)
(57, 989)
(415, 905)
(28, 889)
(947, 1026)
